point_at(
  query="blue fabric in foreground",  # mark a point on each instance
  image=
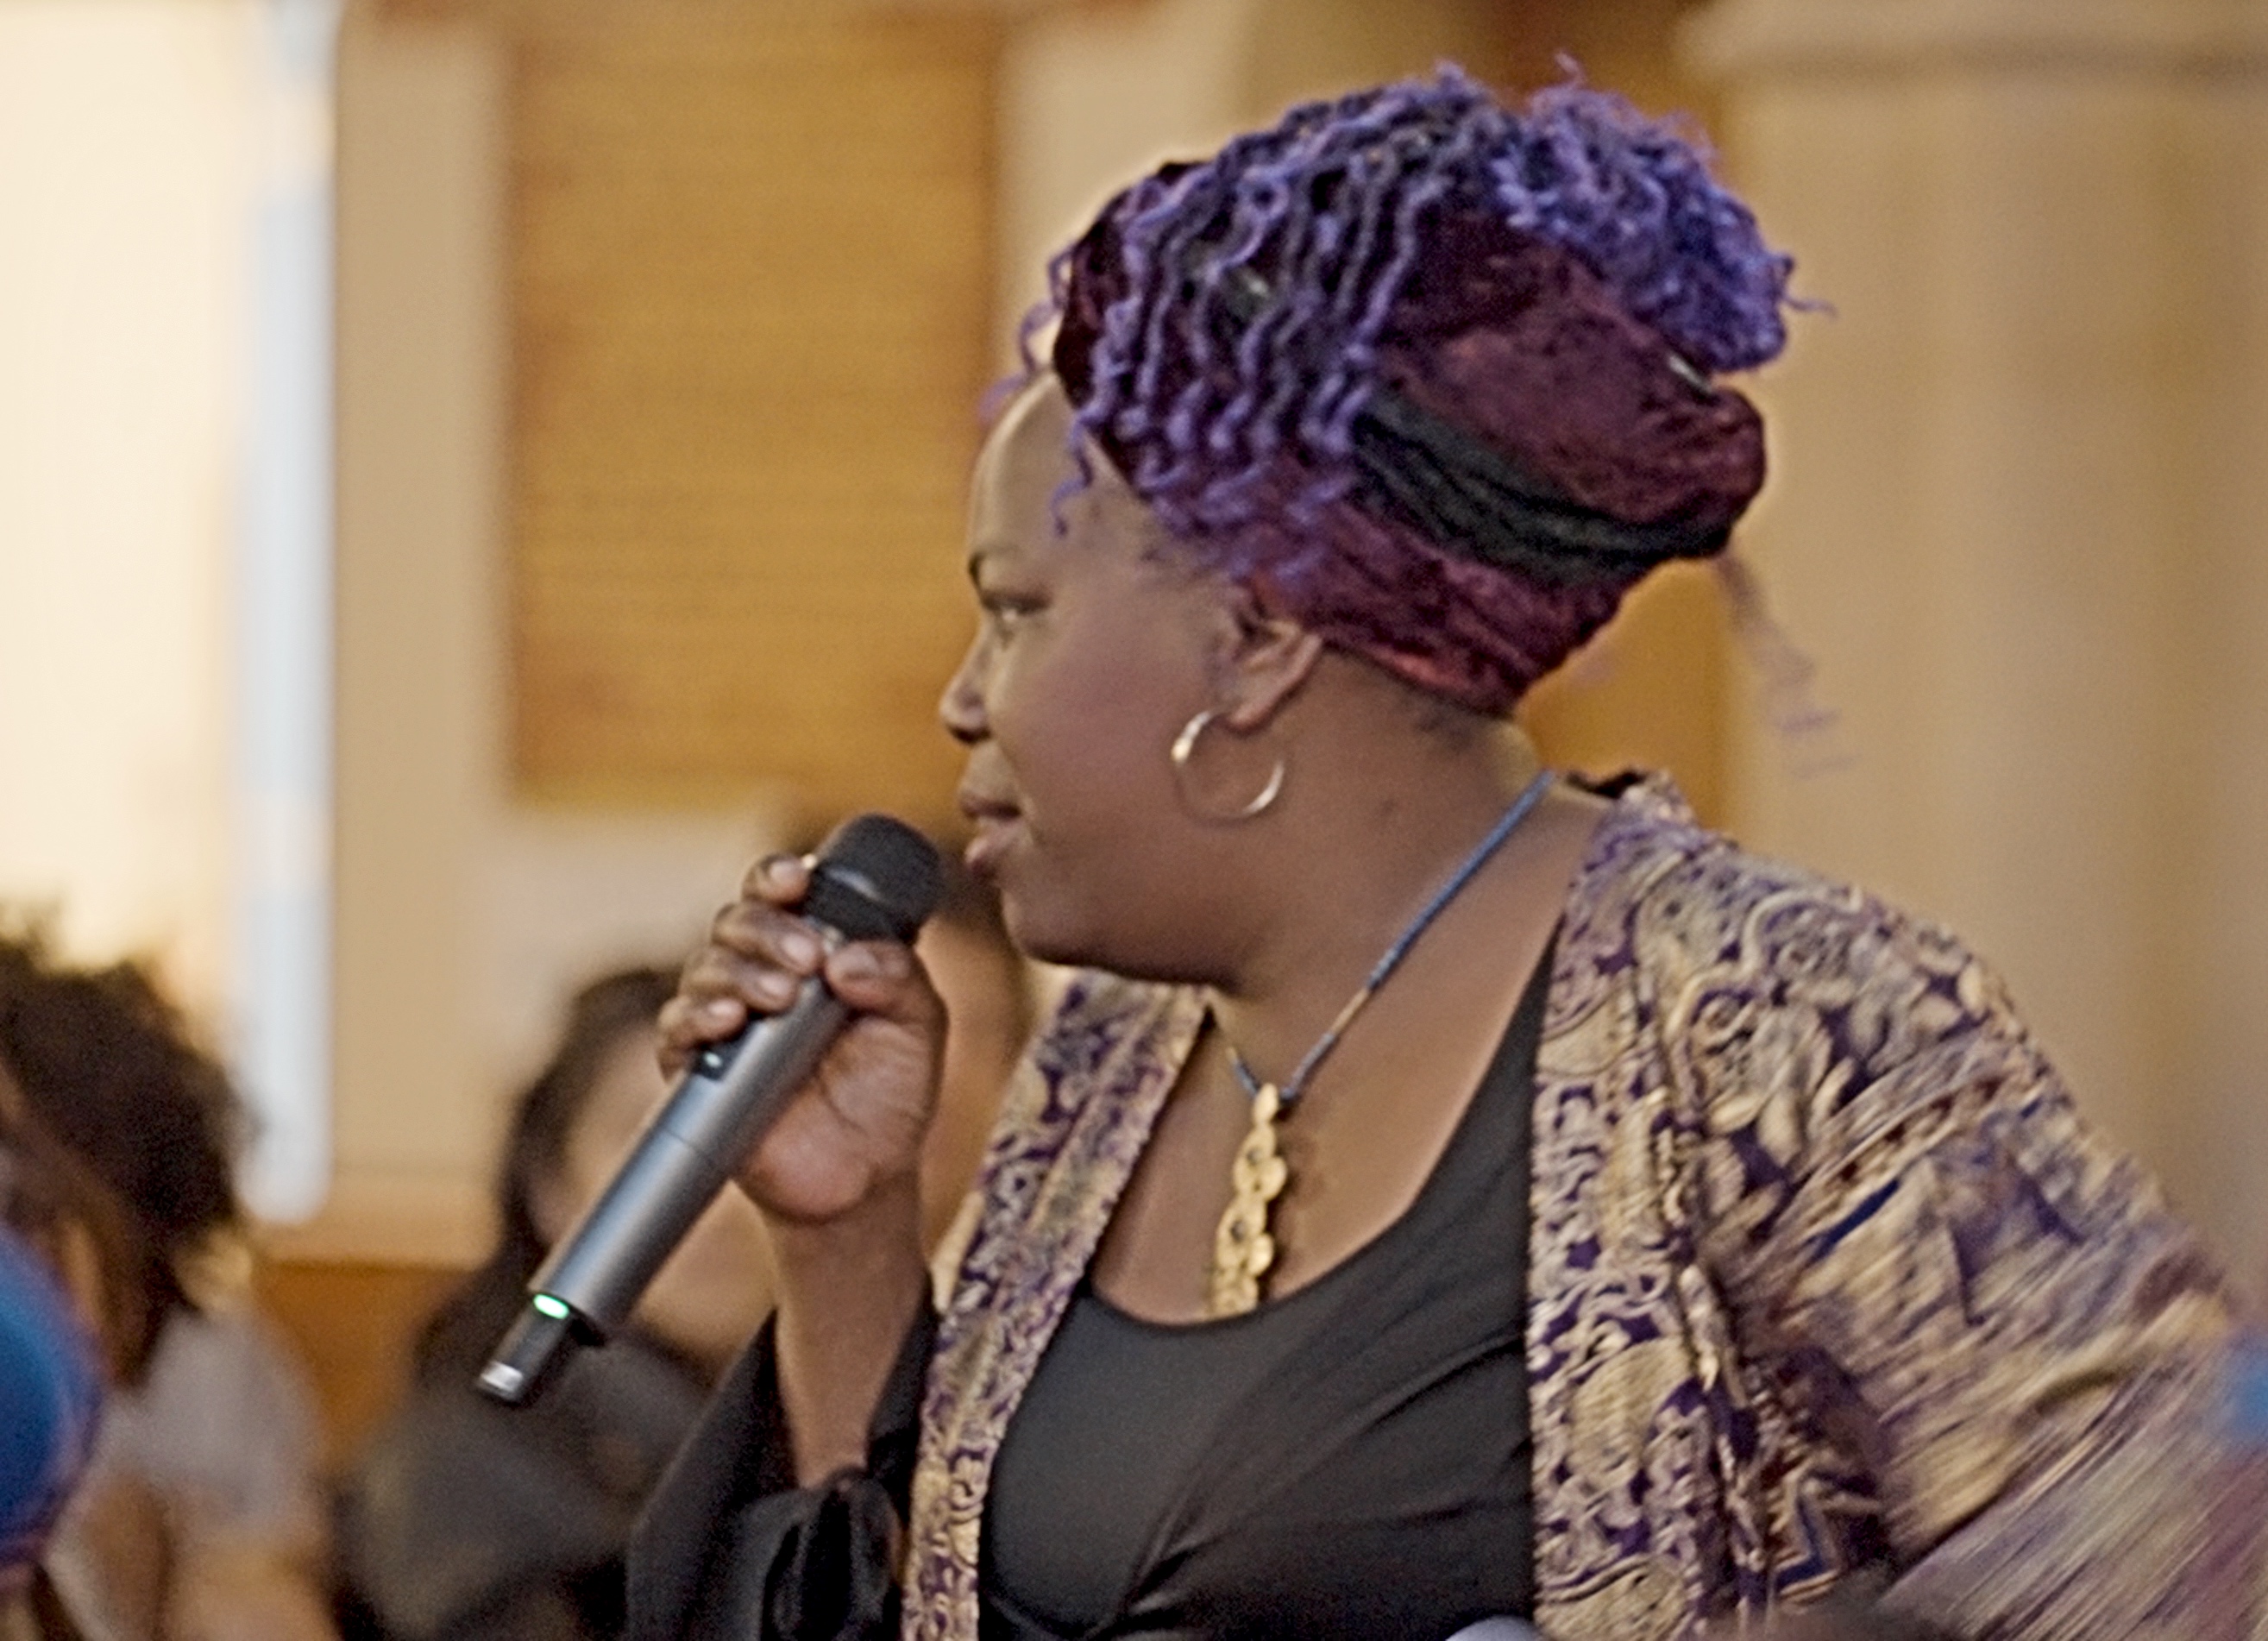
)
(50, 1397)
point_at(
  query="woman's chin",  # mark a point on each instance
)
(1055, 913)
(1070, 942)
(1040, 927)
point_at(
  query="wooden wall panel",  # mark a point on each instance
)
(751, 286)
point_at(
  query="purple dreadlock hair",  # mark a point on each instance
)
(1233, 331)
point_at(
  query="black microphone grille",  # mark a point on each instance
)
(876, 878)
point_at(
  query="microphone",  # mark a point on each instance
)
(874, 879)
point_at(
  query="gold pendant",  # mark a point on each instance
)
(1242, 1249)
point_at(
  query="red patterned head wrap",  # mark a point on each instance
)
(1364, 363)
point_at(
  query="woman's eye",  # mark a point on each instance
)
(1005, 614)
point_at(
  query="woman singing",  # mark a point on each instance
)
(1448, 1191)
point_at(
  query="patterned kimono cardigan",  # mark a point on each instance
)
(1826, 1273)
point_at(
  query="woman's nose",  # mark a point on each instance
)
(961, 709)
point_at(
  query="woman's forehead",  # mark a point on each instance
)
(1030, 444)
(1041, 399)
(1028, 494)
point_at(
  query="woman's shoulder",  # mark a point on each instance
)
(1672, 890)
(1709, 940)
(1802, 1021)
(1652, 855)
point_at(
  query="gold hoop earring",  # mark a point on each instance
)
(1184, 748)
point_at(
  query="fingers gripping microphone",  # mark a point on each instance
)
(875, 880)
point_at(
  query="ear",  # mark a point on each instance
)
(1265, 657)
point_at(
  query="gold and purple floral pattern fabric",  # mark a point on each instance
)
(1826, 1276)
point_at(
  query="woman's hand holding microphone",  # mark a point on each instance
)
(855, 1132)
(837, 1174)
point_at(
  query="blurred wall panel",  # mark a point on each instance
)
(1626, 46)
(750, 300)
(464, 917)
(2227, 1117)
(421, 419)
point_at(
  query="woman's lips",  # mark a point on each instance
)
(994, 820)
(995, 830)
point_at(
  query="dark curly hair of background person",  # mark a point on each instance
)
(111, 1070)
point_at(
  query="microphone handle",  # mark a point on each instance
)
(729, 1097)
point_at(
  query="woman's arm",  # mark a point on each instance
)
(780, 1517)
(836, 1178)
(731, 1548)
(1944, 1271)
(847, 1292)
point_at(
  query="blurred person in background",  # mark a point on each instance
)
(464, 1520)
(1451, 1192)
(78, 1227)
(201, 1517)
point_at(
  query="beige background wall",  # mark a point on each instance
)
(127, 143)
(2021, 514)
(750, 284)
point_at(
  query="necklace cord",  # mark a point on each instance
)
(1293, 1086)
(1244, 1246)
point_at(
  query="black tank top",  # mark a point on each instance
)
(1350, 1460)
